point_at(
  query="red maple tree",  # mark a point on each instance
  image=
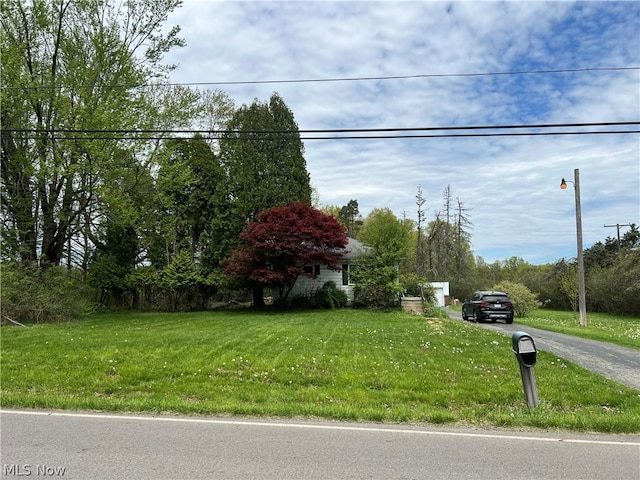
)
(280, 242)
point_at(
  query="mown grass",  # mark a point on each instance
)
(345, 364)
(605, 327)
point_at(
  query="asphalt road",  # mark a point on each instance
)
(99, 446)
(611, 361)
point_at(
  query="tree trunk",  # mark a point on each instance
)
(18, 198)
(258, 296)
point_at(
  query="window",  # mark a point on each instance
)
(346, 274)
(311, 269)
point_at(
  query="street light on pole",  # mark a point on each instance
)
(582, 303)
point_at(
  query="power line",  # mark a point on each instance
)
(467, 135)
(338, 79)
(331, 130)
(405, 77)
(264, 137)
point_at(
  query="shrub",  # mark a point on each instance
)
(376, 284)
(375, 296)
(30, 294)
(329, 296)
(411, 284)
(416, 286)
(524, 300)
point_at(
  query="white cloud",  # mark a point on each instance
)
(510, 184)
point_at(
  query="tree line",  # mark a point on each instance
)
(103, 203)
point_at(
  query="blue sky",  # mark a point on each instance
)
(510, 185)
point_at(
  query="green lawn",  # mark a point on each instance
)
(342, 364)
(605, 327)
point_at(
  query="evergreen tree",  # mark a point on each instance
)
(349, 216)
(191, 190)
(420, 263)
(263, 158)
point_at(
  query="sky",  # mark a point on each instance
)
(454, 64)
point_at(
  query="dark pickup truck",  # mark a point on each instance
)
(488, 306)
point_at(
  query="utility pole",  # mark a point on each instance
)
(618, 225)
(582, 302)
(581, 286)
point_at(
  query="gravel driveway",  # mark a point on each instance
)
(621, 364)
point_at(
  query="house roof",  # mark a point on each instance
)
(354, 249)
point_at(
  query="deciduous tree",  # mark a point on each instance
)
(524, 300)
(71, 69)
(387, 235)
(280, 242)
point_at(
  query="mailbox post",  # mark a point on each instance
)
(526, 353)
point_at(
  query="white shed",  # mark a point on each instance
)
(441, 292)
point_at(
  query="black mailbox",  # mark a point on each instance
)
(524, 348)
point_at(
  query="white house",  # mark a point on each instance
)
(308, 286)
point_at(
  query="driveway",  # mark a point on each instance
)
(621, 364)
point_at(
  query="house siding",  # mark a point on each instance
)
(307, 286)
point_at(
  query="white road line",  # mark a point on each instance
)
(314, 426)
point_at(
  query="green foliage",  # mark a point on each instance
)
(144, 282)
(179, 286)
(569, 285)
(376, 284)
(605, 254)
(105, 274)
(59, 194)
(113, 261)
(29, 294)
(440, 250)
(524, 300)
(387, 235)
(376, 275)
(329, 296)
(616, 289)
(181, 273)
(86, 48)
(415, 285)
(264, 170)
(546, 280)
(191, 190)
(411, 284)
(349, 216)
(180, 277)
